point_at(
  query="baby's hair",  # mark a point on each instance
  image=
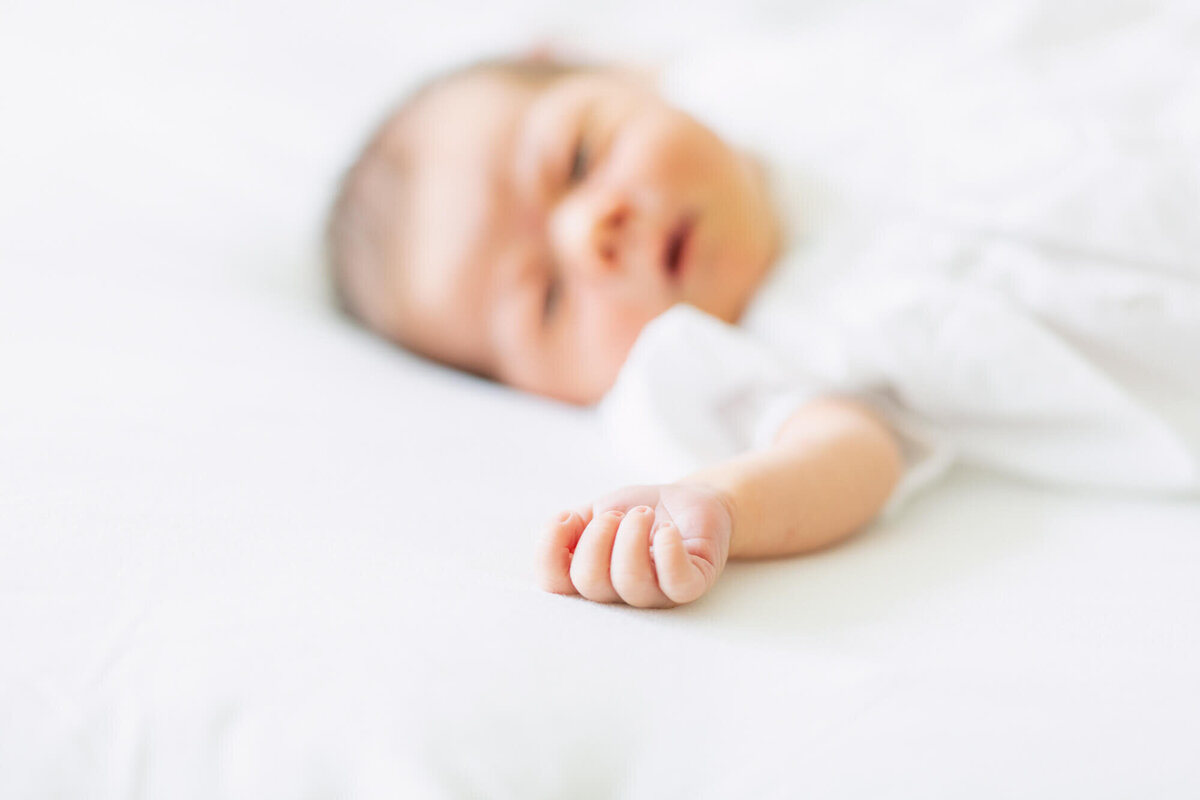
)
(367, 213)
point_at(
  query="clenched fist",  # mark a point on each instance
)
(648, 546)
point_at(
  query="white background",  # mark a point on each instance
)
(248, 551)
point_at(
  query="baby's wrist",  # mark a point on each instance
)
(725, 498)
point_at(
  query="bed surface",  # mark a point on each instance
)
(248, 551)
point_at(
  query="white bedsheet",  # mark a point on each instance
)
(246, 551)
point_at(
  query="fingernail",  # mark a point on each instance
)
(564, 516)
(617, 514)
(642, 509)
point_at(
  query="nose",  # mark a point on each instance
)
(590, 234)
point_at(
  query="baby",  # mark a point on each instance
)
(524, 221)
(532, 222)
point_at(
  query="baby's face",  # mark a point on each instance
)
(549, 224)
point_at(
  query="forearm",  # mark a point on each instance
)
(829, 472)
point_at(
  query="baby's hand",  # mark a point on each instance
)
(648, 546)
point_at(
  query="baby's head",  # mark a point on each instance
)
(525, 220)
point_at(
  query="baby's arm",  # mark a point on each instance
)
(829, 472)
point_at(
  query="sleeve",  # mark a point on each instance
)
(695, 390)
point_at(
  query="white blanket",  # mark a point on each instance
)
(983, 243)
(247, 551)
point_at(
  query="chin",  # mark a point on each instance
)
(578, 396)
(576, 387)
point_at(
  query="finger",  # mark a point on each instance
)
(632, 570)
(682, 576)
(590, 564)
(555, 546)
(584, 512)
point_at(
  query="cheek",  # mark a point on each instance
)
(656, 154)
(605, 334)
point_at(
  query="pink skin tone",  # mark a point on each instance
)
(648, 546)
(828, 473)
(548, 224)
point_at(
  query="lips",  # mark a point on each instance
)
(675, 249)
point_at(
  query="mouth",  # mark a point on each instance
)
(675, 250)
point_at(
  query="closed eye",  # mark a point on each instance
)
(579, 161)
(550, 302)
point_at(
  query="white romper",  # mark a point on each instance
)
(1005, 262)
